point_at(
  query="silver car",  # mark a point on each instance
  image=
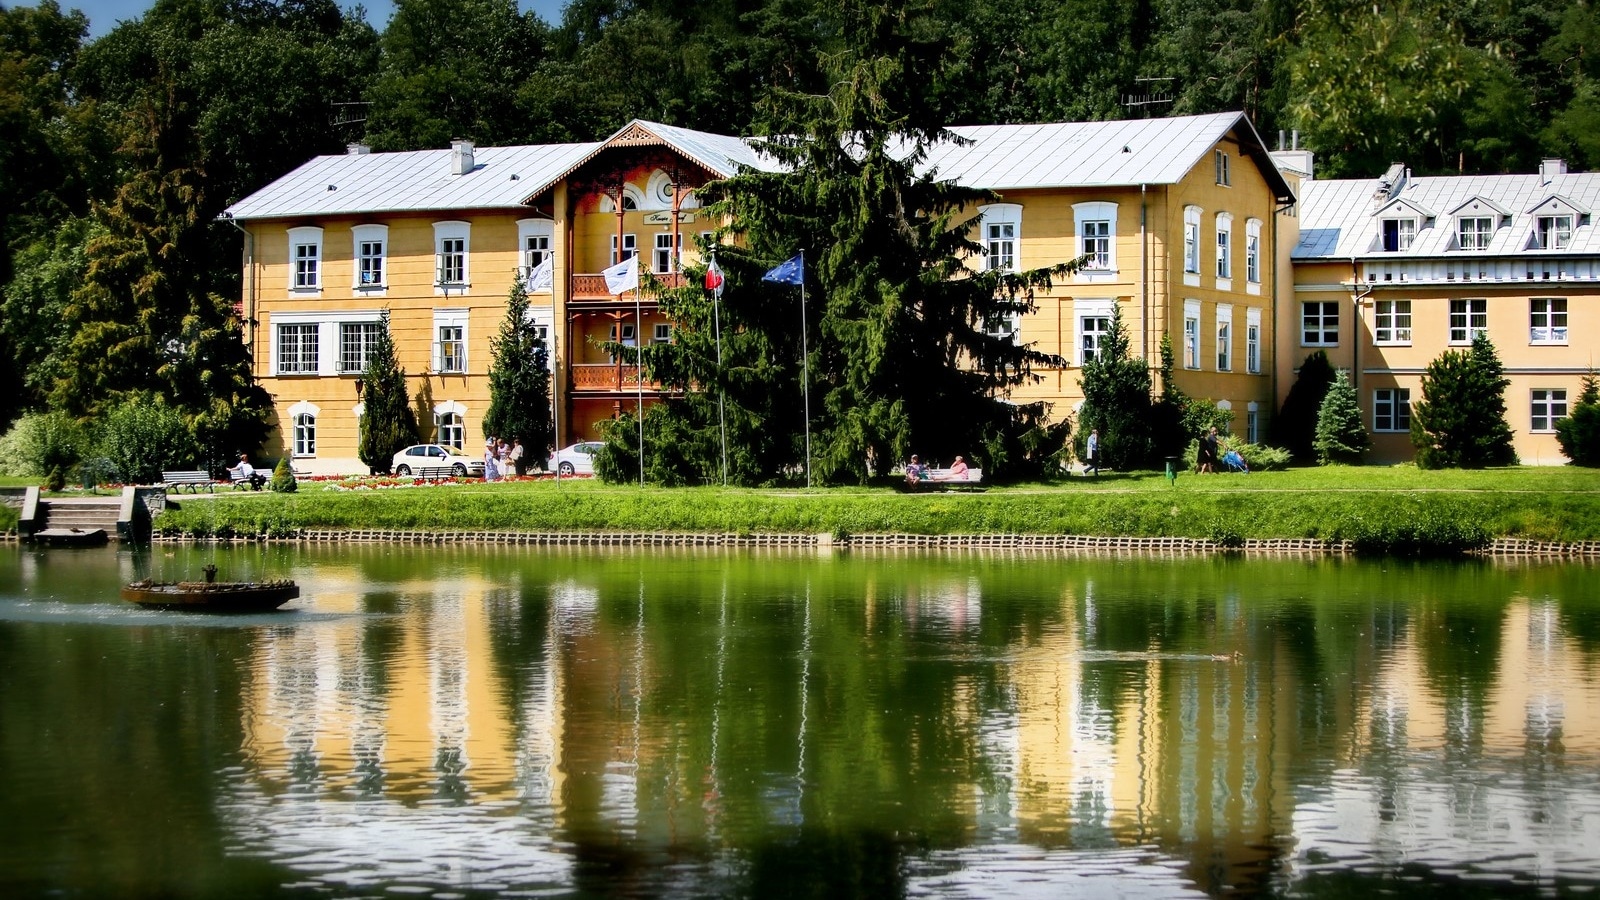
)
(577, 459)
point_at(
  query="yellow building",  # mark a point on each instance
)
(1177, 218)
(1390, 272)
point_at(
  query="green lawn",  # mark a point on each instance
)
(1372, 503)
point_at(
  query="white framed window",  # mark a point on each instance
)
(297, 348)
(1468, 319)
(1252, 341)
(1474, 232)
(303, 422)
(1391, 325)
(452, 429)
(1549, 407)
(1096, 226)
(357, 340)
(628, 336)
(1094, 326)
(1000, 227)
(1553, 232)
(1224, 177)
(543, 319)
(370, 248)
(534, 238)
(305, 255)
(1224, 337)
(1391, 409)
(1191, 243)
(632, 199)
(452, 242)
(630, 247)
(1252, 255)
(662, 333)
(1399, 234)
(1547, 320)
(1319, 323)
(1252, 422)
(1005, 325)
(1224, 248)
(450, 341)
(1191, 334)
(664, 261)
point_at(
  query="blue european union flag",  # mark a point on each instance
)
(790, 271)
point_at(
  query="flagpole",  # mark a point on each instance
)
(722, 393)
(638, 364)
(805, 363)
(555, 405)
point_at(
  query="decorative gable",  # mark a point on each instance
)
(1557, 205)
(1481, 207)
(1404, 209)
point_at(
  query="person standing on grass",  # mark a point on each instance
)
(1206, 458)
(1091, 453)
(516, 456)
(490, 470)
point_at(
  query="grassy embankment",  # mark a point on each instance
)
(1395, 509)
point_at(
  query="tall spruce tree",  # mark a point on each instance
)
(1116, 400)
(519, 382)
(1579, 432)
(904, 353)
(387, 423)
(1295, 428)
(1341, 438)
(1460, 422)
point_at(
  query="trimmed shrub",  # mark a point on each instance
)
(283, 478)
(1579, 432)
(45, 445)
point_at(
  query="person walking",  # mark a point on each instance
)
(1206, 458)
(1091, 453)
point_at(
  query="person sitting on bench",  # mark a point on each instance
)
(244, 472)
(916, 472)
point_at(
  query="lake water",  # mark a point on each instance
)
(526, 722)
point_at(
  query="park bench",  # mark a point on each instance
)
(193, 480)
(434, 473)
(254, 481)
(943, 480)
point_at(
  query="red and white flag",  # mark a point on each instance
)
(714, 279)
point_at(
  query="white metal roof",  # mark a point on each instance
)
(415, 181)
(997, 157)
(1094, 154)
(1337, 221)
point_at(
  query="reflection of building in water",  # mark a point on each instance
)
(1524, 799)
(406, 704)
(1133, 747)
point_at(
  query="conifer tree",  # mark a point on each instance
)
(1461, 419)
(387, 423)
(1116, 400)
(1579, 432)
(1295, 428)
(519, 382)
(1341, 438)
(905, 352)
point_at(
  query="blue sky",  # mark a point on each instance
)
(105, 14)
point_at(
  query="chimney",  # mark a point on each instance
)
(460, 157)
(1550, 168)
(357, 149)
(1296, 161)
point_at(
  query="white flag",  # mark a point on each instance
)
(622, 277)
(544, 275)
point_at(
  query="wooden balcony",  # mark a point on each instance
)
(592, 288)
(607, 378)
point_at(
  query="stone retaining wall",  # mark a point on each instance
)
(1503, 547)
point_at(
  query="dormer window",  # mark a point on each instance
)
(1554, 232)
(1398, 234)
(1474, 232)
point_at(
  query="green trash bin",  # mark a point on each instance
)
(1172, 469)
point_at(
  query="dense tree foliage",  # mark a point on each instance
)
(519, 383)
(1295, 428)
(1341, 438)
(259, 86)
(1579, 432)
(388, 424)
(1116, 399)
(1460, 422)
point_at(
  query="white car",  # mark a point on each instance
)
(577, 459)
(417, 457)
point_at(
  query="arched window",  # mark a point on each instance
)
(303, 417)
(452, 430)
